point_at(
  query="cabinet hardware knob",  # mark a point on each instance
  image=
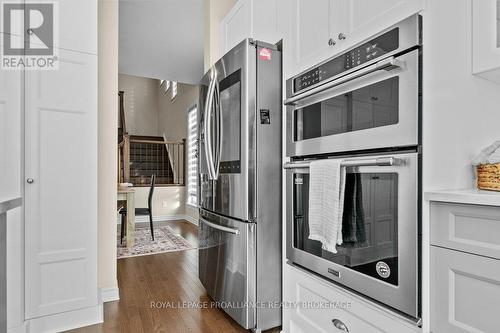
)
(30, 180)
(30, 31)
(339, 325)
(331, 42)
(342, 36)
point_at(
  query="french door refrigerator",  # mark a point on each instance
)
(240, 184)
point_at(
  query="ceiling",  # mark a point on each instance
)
(162, 39)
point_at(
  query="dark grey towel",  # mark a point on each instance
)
(353, 221)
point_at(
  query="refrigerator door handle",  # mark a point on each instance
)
(220, 227)
(219, 128)
(208, 127)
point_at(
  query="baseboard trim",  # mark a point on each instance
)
(160, 218)
(191, 219)
(67, 320)
(109, 294)
(18, 329)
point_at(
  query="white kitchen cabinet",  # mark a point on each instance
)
(312, 304)
(362, 19)
(486, 39)
(465, 265)
(465, 292)
(61, 186)
(321, 29)
(313, 27)
(258, 19)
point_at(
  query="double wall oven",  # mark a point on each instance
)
(362, 108)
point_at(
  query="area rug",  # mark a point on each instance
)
(166, 240)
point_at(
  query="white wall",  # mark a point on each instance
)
(172, 122)
(167, 200)
(140, 103)
(172, 114)
(108, 117)
(461, 112)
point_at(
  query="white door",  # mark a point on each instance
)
(362, 19)
(61, 196)
(313, 32)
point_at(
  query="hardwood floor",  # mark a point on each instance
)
(145, 282)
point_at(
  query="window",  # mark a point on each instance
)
(192, 157)
(174, 89)
(165, 84)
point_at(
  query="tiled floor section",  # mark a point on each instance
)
(168, 277)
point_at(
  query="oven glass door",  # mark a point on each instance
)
(378, 256)
(369, 226)
(368, 107)
(374, 109)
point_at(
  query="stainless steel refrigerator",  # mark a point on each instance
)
(240, 184)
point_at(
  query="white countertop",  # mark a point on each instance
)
(470, 196)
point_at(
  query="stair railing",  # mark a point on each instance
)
(175, 149)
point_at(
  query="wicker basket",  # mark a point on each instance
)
(488, 177)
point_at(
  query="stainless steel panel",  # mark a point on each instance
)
(227, 267)
(403, 297)
(403, 133)
(268, 189)
(409, 36)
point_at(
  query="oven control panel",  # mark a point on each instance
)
(370, 50)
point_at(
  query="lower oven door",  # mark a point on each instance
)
(226, 261)
(379, 254)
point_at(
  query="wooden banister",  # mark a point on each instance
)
(122, 113)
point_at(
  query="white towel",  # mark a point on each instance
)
(326, 202)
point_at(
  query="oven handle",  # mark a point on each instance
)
(381, 161)
(220, 227)
(386, 64)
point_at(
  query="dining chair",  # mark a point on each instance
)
(141, 211)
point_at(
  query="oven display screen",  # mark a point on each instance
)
(375, 48)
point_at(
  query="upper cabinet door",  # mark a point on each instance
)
(314, 28)
(486, 38)
(236, 26)
(362, 19)
(76, 25)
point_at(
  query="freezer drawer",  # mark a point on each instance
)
(227, 265)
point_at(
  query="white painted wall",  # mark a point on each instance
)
(172, 196)
(172, 114)
(140, 103)
(108, 118)
(461, 112)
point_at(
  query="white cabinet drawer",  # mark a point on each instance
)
(465, 292)
(313, 304)
(469, 228)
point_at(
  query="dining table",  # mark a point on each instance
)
(127, 194)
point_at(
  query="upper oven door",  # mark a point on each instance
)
(374, 107)
(379, 253)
